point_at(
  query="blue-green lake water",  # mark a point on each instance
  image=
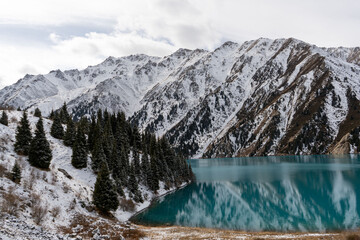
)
(292, 193)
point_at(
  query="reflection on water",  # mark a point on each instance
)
(313, 193)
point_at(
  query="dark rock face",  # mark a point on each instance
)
(263, 97)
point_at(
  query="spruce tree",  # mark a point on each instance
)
(4, 118)
(40, 153)
(52, 115)
(115, 162)
(70, 134)
(133, 185)
(119, 187)
(64, 114)
(23, 136)
(79, 155)
(136, 160)
(57, 130)
(97, 156)
(145, 167)
(16, 173)
(104, 196)
(92, 133)
(153, 178)
(37, 112)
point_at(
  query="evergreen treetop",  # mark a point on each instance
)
(64, 114)
(4, 118)
(70, 134)
(23, 136)
(37, 112)
(40, 154)
(16, 173)
(79, 155)
(105, 196)
(57, 130)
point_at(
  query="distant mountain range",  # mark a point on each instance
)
(263, 97)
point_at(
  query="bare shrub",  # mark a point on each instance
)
(55, 211)
(39, 213)
(26, 184)
(11, 203)
(54, 178)
(353, 237)
(4, 140)
(13, 120)
(65, 187)
(3, 170)
(38, 175)
(6, 107)
(44, 177)
(35, 199)
(38, 210)
(72, 204)
(127, 205)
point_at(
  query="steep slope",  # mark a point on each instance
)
(262, 97)
(64, 193)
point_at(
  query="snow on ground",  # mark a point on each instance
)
(55, 191)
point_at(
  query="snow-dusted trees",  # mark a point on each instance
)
(23, 136)
(40, 153)
(134, 158)
(57, 130)
(70, 136)
(105, 196)
(80, 154)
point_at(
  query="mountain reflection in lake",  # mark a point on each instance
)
(306, 193)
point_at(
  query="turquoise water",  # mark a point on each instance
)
(297, 193)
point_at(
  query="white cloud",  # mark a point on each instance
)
(159, 27)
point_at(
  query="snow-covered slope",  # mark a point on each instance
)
(64, 199)
(261, 97)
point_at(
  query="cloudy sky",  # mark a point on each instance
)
(40, 35)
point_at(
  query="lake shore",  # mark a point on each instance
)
(178, 232)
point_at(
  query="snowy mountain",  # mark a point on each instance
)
(262, 97)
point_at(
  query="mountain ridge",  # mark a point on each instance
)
(262, 97)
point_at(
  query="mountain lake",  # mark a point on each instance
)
(285, 193)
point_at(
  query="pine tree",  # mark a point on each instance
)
(133, 185)
(40, 153)
(92, 133)
(137, 139)
(52, 115)
(70, 134)
(153, 178)
(114, 163)
(4, 118)
(16, 173)
(37, 112)
(64, 114)
(119, 187)
(79, 155)
(104, 196)
(145, 166)
(136, 159)
(23, 136)
(98, 156)
(57, 130)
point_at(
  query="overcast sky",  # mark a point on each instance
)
(41, 35)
